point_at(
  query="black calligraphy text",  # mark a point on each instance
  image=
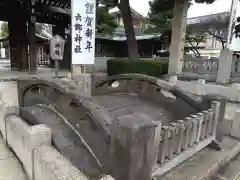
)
(78, 30)
(89, 23)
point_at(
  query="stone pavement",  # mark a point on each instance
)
(42, 72)
(207, 163)
(10, 166)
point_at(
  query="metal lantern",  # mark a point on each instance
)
(57, 47)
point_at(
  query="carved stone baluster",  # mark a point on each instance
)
(187, 134)
(181, 129)
(173, 143)
(206, 120)
(210, 124)
(199, 127)
(194, 129)
(204, 125)
(164, 150)
(160, 147)
(215, 106)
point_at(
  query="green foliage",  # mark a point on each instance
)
(161, 14)
(106, 23)
(157, 6)
(4, 29)
(149, 67)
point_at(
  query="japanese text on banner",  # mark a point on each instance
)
(83, 31)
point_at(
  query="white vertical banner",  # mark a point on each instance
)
(83, 31)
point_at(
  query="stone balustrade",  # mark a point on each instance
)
(200, 65)
(180, 135)
(23, 139)
(200, 88)
(181, 139)
(32, 145)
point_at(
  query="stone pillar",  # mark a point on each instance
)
(13, 46)
(236, 125)
(84, 80)
(18, 38)
(225, 66)
(32, 43)
(178, 36)
(134, 147)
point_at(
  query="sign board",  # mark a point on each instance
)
(57, 47)
(83, 31)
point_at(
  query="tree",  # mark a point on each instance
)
(194, 39)
(237, 28)
(125, 10)
(161, 15)
(105, 22)
(219, 37)
(4, 29)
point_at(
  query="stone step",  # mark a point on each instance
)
(231, 171)
(206, 163)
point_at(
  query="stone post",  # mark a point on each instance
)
(225, 66)
(84, 80)
(236, 125)
(199, 86)
(134, 147)
(173, 80)
(218, 108)
(178, 36)
(32, 43)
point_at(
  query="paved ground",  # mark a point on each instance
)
(202, 164)
(7, 73)
(42, 72)
(10, 167)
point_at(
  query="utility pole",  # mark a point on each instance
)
(233, 11)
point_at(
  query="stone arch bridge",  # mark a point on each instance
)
(97, 133)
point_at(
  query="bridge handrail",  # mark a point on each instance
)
(161, 84)
(183, 138)
(32, 145)
(96, 112)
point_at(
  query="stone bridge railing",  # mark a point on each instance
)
(136, 139)
(207, 66)
(33, 144)
(181, 139)
(149, 88)
(49, 91)
(200, 65)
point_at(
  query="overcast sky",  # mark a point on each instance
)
(195, 9)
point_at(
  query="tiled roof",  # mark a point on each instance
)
(209, 18)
